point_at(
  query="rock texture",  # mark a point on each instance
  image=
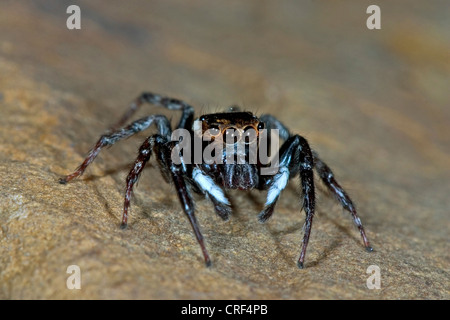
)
(373, 103)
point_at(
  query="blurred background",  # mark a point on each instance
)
(373, 103)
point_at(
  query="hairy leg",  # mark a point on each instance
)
(296, 157)
(301, 160)
(188, 206)
(162, 149)
(213, 192)
(162, 123)
(273, 123)
(305, 159)
(276, 183)
(145, 152)
(328, 178)
(187, 115)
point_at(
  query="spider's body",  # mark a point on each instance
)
(230, 173)
(233, 140)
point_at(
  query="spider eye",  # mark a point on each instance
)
(249, 135)
(231, 135)
(261, 125)
(212, 133)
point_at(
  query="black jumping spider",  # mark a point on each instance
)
(212, 178)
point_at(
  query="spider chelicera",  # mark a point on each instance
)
(212, 178)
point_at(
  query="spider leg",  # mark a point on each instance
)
(158, 100)
(188, 206)
(278, 182)
(109, 139)
(216, 194)
(159, 145)
(305, 159)
(327, 177)
(273, 123)
(296, 156)
(145, 152)
(287, 168)
(276, 185)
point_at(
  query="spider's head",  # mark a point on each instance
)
(230, 127)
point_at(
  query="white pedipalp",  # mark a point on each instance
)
(280, 182)
(207, 184)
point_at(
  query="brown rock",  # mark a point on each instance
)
(374, 104)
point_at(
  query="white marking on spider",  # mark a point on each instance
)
(207, 184)
(279, 183)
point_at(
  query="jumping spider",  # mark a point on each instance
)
(211, 179)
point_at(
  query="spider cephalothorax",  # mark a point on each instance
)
(234, 120)
(230, 144)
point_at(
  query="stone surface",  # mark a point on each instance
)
(374, 104)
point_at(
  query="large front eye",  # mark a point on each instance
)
(249, 134)
(261, 126)
(212, 133)
(231, 135)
